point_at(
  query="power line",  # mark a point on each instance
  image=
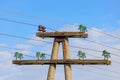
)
(98, 57)
(93, 50)
(94, 67)
(55, 30)
(106, 70)
(4, 34)
(70, 46)
(37, 40)
(102, 44)
(33, 45)
(16, 48)
(32, 51)
(87, 54)
(106, 75)
(21, 37)
(107, 46)
(20, 49)
(32, 16)
(50, 42)
(34, 57)
(4, 19)
(93, 71)
(24, 55)
(24, 49)
(85, 48)
(106, 33)
(28, 55)
(37, 17)
(6, 40)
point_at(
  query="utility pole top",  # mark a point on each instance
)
(62, 34)
(61, 37)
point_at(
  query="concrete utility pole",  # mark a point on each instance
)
(52, 67)
(66, 54)
(61, 37)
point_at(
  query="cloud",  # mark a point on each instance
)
(5, 64)
(97, 37)
(25, 48)
(118, 22)
(93, 33)
(9, 71)
(68, 27)
(3, 45)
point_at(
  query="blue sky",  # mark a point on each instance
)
(62, 15)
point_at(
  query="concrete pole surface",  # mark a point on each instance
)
(66, 55)
(52, 67)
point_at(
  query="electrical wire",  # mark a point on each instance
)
(93, 71)
(16, 48)
(50, 42)
(92, 50)
(102, 44)
(20, 49)
(23, 54)
(109, 70)
(37, 17)
(92, 66)
(87, 54)
(74, 46)
(85, 48)
(4, 19)
(4, 34)
(21, 37)
(55, 30)
(33, 45)
(32, 16)
(105, 33)
(98, 57)
(34, 57)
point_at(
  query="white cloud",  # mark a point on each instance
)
(118, 22)
(5, 64)
(4, 45)
(97, 37)
(94, 32)
(25, 49)
(69, 27)
(10, 71)
(23, 46)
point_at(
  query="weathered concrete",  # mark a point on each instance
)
(52, 67)
(66, 55)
